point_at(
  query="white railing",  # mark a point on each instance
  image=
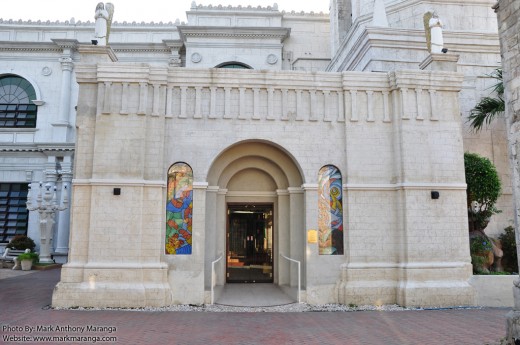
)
(299, 274)
(213, 279)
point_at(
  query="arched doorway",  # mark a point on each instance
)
(254, 213)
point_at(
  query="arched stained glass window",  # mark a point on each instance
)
(179, 209)
(330, 212)
(16, 108)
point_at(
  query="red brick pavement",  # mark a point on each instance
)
(23, 302)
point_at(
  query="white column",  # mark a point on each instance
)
(66, 79)
(63, 223)
(62, 125)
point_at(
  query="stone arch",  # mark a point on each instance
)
(256, 172)
(37, 91)
(268, 156)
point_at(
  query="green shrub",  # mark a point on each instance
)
(21, 242)
(483, 190)
(509, 260)
(480, 247)
(29, 256)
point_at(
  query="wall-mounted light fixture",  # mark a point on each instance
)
(117, 191)
(435, 195)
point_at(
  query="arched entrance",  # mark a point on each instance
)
(254, 213)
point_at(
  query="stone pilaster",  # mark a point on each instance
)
(508, 12)
(62, 125)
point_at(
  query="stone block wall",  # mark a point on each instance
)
(394, 136)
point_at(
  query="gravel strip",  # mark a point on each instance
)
(287, 308)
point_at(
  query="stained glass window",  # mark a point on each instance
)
(330, 212)
(16, 108)
(179, 209)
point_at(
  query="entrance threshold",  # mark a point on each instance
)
(253, 295)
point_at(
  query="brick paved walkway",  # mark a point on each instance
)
(23, 302)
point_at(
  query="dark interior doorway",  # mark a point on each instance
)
(250, 244)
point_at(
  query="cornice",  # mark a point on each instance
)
(411, 39)
(38, 147)
(79, 23)
(217, 8)
(65, 43)
(29, 46)
(140, 47)
(235, 32)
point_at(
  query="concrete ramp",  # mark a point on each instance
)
(253, 295)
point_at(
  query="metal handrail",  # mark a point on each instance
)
(213, 276)
(299, 274)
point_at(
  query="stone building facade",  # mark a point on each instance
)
(257, 106)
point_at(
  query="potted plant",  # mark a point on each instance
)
(27, 259)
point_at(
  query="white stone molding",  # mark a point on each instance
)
(285, 99)
(404, 104)
(124, 99)
(309, 187)
(386, 113)
(406, 265)
(196, 58)
(213, 102)
(118, 182)
(106, 98)
(200, 185)
(313, 106)
(46, 71)
(353, 103)
(250, 96)
(341, 106)
(370, 106)
(198, 103)
(298, 190)
(282, 192)
(213, 189)
(156, 98)
(326, 108)
(405, 185)
(227, 103)
(184, 89)
(277, 33)
(100, 98)
(169, 101)
(270, 104)
(251, 194)
(242, 103)
(299, 105)
(272, 59)
(143, 98)
(256, 104)
(433, 105)
(420, 108)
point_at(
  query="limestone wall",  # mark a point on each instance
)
(395, 137)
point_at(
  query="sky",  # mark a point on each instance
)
(135, 10)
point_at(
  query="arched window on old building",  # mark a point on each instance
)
(16, 107)
(236, 65)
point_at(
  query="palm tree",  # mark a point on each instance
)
(489, 107)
